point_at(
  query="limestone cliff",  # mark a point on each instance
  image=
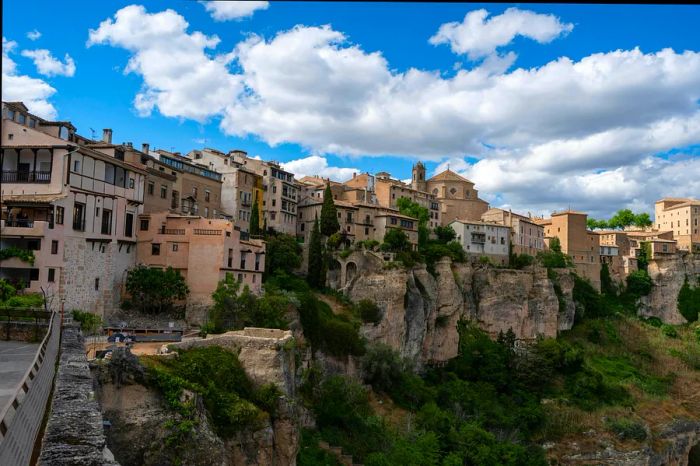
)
(420, 311)
(668, 276)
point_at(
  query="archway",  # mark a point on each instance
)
(350, 272)
(333, 276)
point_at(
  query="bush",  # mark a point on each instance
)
(639, 283)
(396, 240)
(27, 300)
(653, 321)
(669, 331)
(689, 301)
(626, 429)
(590, 299)
(282, 252)
(25, 255)
(89, 323)
(369, 311)
(6, 290)
(155, 290)
(554, 257)
(520, 261)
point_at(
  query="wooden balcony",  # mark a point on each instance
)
(26, 176)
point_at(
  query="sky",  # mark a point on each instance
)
(543, 106)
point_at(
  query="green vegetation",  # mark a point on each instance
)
(395, 240)
(25, 255)
(639, 283)
(235, 308)
(520, 261)
(644, 255)
(90, 323)
(554, 257)
(316, 264)
(622, 218)
(218, 377)
(422, 214)
(627, 429)
(283, 253)
(10, 298)
(329, 214)
(689, 301)
(155, 290)
(368, 311)
(255, 218)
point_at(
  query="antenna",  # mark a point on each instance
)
(92, 134)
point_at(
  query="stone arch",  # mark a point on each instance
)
(350, 272)
(333, 277)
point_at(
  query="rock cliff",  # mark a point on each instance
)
(668, 276)
(421, 311)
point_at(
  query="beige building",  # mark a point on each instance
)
(487, 239)
(280, 192)
(455, 194)
(682, 217)
(202, 250)
(577, 241)
(527, 237)
(662, 243)
(240, 188)
(74, 206)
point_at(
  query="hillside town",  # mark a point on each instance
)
(90, 210)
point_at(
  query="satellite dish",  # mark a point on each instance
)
(122, 324)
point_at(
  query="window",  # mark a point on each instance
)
(132, 183)
(11, 114)
(174, 247)
(97, 211)
(393, 220)
(79, 216)
(33, 274)
(106, 222)
(54, 247)
(366, 231)
(194, 192)
(206, 212)
(163, 191)
(76, 166)
(243, 257)
(97, 284)
(207, 194)
(63, 132)
(60, 212)
(144, 224)
(129, 225)
(503, 241)
(109, 174)
(274, 202)
(257, 262)
(120, 178)
(230, 258)
(174, 201)
(52, 275)
(151, 188)
(302, 227)
(34, 245)
(21, 118)
(155, 249)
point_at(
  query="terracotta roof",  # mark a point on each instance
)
(568, 211)
(688, 202)
(448, 175)
(40, 146)
(32, 198)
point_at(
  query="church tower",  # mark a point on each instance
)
(418, 181)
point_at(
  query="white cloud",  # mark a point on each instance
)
(47, 65)
(180, 78)
(228, 10)
(33, 35)
(32, 91)
(315, 165)
(478, 37)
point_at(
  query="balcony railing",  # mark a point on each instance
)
(479, 239)
(25, 177)
(20, 223)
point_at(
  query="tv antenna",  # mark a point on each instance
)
(92, 134)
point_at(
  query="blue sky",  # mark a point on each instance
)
(362, 120)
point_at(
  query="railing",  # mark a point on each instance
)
(172, 231)
(200, 231)
(26, 177)
(480, 239)
(20, 223)
(22, 417)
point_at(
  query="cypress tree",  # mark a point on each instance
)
(329, 214)
(316, 256)
(255, 219)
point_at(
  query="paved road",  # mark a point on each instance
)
(15, 358)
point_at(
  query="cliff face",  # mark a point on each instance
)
(668, 276)
(421, 311)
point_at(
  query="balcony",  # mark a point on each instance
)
(478, 239)
(23, 227)
(26, 176)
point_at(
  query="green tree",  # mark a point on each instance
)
(445, 234)
(255, 218)
(644, 255)
(593, 224)
(420, 213)
(282, 253)
(607, 286)
(396, 240)
(554, 257)
(689, 301)
(329, 214)
(154, 290)
(315, 275)
(642, 220)
(622, 218)
(639, 283)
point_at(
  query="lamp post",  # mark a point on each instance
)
(63, 304)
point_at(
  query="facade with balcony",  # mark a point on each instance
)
(74, 206)
(479, 239)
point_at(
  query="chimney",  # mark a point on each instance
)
(354, 174)
(129, 145)
(107, 135)
(145, 147)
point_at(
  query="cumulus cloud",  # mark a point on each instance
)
(180, 78)
(17, 87)
(47, 65)
(33, 35)
(478, 37)
(226, 10)
(315, 165)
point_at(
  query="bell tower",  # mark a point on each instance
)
(418, 180)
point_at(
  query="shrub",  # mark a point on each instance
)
(654, 322)
(27, 300)
(520, 261)
(155, 290)
(639, 283)
(369, 311)
(25, 255)
(282, 252)
(589, 298)
(6, 290)
(396, 240)
(341, 338)
(554, 257)
(626, 429)
(669, 331)
(89, 323)
(689, 301)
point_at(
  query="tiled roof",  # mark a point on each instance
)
(448, 175)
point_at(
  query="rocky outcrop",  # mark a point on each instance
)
(421, 311)
(668, 276)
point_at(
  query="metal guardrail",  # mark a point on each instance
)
(21, 419)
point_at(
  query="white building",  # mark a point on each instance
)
(483, 239)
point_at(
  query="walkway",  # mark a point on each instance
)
(15, 358)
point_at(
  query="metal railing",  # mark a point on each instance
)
(20, 223)
(23, 415)
(172, 231)
(200, 231)
(26, 176)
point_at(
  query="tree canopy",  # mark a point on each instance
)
(154, 290)
(282, 253)
(329, 214)
(622, 218)
(420, 213)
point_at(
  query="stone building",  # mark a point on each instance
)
(527, 237)
(577, 241)
(76, 207)
(280, 192)
(483, 239)
(240, 188)
(202, 250)
(682, 217)
(455, 194)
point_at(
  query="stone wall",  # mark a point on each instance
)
(668, 276)
(74, 433)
